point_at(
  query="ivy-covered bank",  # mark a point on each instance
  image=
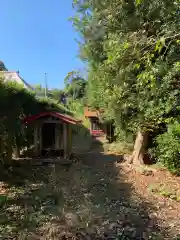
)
(16, 103)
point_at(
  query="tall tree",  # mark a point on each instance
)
(75, 85)
(133, 52)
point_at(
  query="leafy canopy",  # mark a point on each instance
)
(133, 53)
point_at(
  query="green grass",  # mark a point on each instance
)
(162, 190)
(119, 147)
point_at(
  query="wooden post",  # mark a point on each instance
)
(110, 132)
(36, 147)
(69, 138)
(40, 138)
(57, 136)
(90, 126)
(61, 136)
(65, 139)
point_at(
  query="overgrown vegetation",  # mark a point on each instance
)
(15, 104)
(132, 49)
(168, 145)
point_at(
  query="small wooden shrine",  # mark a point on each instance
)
(52, 133)
(97, 127)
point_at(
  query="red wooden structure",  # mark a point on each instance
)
(52, 131)
(97, 129)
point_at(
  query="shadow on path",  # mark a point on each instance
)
(90, 200)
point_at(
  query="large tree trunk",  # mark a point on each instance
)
(137, 156)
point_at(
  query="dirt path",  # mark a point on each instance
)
(93, 199)
(144, 211)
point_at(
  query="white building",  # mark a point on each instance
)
(13, 76)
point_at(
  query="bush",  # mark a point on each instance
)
(167, 150)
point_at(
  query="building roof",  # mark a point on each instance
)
(64, 117)
(88, 112)
(2, 66)
(14, 77)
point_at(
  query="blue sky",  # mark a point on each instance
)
(36, 37)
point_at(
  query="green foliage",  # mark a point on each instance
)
(77, 108)
(168, 145)
(133, 54)
(75, 86)
(55, 94)
(15, 104)
(162, 190)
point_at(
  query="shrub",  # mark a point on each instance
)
(167, 150)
